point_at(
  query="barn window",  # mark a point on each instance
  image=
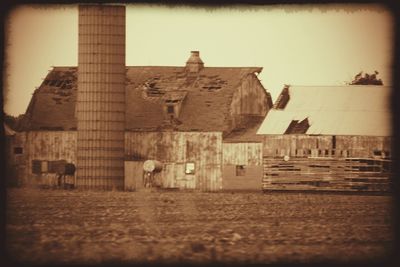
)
(170, 109)
(240, 170)
(36, 166)
(377, 152)
(190, 168)
(18, 150)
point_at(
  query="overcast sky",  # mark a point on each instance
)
(301, 45)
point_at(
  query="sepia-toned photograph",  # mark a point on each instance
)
(235, 134)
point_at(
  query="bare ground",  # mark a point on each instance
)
(57, 226)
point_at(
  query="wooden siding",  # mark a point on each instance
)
(49, 145)
(16, 163)
(249, 155)
(133, 175)
(342, 163)
(324, 146)
(331, 174)
(174, 150)
(250, 180)
(242, 153)
(250, 99)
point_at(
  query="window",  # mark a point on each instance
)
(377, 152)
(190, 168)
(36, 166)
(170, 109)
(240, 170)
(18, 150)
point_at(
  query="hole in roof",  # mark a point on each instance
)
(296, 127)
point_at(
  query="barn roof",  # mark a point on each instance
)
(7, 130)
(331, 110)
(205, 97)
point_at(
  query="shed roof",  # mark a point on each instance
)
(334, 110)
(206, 98)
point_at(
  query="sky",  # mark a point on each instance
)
(296, 45)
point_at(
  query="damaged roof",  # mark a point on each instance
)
(205, 98)
(7, 130)
(333, 110)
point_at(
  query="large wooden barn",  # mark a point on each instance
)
(328, 138)
(175, 116)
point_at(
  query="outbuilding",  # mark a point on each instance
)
(328, 138)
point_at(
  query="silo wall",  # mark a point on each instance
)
(100, 106)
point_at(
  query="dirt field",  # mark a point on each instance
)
(46, 226)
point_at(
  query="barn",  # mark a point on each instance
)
(175, 116)
(108, 119)
(328, 138)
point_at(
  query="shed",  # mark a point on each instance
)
(332, 138)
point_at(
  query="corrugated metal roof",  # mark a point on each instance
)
(334, 110)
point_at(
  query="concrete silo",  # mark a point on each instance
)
(100, 104)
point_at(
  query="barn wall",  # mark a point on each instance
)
(248, 155)
(353, 163)
(250, 99)
(15, 163)
(133, 175)
(49, 145)
(174, 150)
(242, 154)
(323, 146)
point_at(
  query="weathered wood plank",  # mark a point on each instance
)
(342, 173)
(175, 149)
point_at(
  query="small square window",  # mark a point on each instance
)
(377, 152)
(170, 109)
(18, 150)
(190, 168)
(240, 170)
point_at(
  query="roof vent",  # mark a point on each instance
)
(194, 63)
